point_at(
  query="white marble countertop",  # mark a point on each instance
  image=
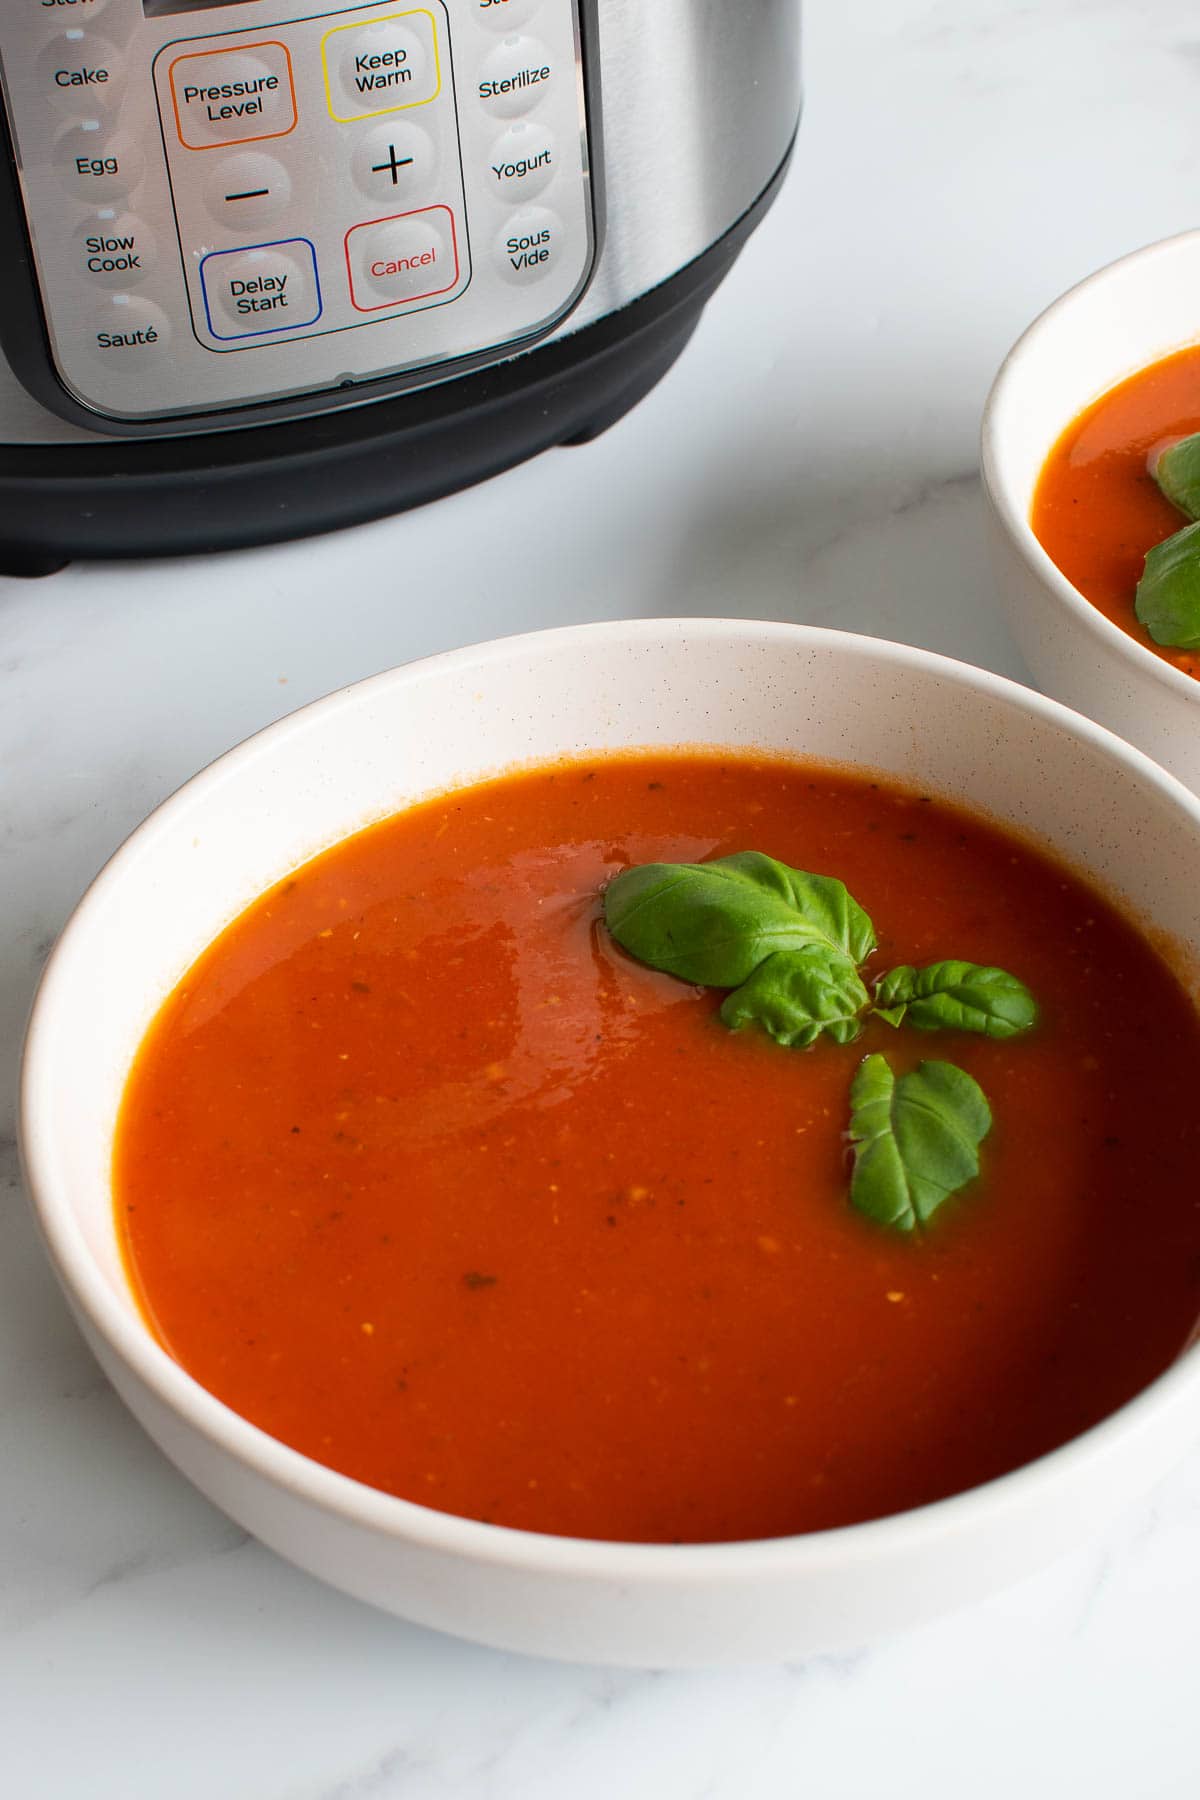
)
(812, 457)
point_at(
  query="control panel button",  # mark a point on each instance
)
(382, 65)
(128, 333)
(233, 96)
(116, 249)
(94, 164)
(260, 289)
(504, 15)
(410, 257)
(522, 162)
(530, 246)
(514, 76)
(394, 162)
(247, 189)
(79, 67)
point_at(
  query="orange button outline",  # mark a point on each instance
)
(416, 212)
(234, 50)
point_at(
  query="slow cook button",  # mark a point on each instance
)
(514, 77)
(522, 162)
(233, 96)
(115, 249)
(530, 246)
(263, 288)
(95, 165)
(382, 66)
(127, 333)
(410, 257)
(79, 66)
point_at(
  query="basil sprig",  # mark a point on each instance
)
(1177, 472)
(1167, 601)
(956, 996)
(791, 946)
(915, 1140)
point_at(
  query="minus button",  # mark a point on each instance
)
(255, 186)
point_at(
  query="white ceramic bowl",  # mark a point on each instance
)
(372, 749)
(1113, 324)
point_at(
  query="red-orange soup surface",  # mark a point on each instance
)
(424, 1176)
(1097, 508)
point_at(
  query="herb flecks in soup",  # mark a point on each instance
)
(1101, 515)
(421, 1173)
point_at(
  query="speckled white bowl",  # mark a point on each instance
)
(372, 749)
(1113, 324)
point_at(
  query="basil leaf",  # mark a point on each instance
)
(1177, 472)
(916, 1140)
(713, 923)
(1168, 595)
(956, 996)
(796, 995)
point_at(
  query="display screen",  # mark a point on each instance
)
(158, 9)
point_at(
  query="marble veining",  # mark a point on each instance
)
(812, 457)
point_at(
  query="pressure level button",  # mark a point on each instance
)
(233, 96)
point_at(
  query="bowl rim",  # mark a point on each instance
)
(353, 1503)
(1014, 518)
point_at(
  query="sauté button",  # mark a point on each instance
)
(530, 246)
(79, 67)
(393, 261)
(504, 15)
(233, 96)
(247, 189)
(381, 66)
(116, 249)
(263, 288)
(96, 165)
(514, 77)
(522, 162)
(127, 333)
(395, 161)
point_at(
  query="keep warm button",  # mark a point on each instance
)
(263, 288)
(410, 256)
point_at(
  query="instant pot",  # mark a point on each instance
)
(270, 270)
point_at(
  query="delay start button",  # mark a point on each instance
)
(263, 288)
(411, 256)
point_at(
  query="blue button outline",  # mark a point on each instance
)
(227, 337)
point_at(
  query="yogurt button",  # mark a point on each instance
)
(522, 162)
(115, 249)
(93, 164)
(77, 68)
(127, 333)
(530, 246)
(514, 77)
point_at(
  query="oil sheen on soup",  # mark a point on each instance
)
(422, 1174)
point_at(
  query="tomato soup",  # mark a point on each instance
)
(422, 1174)
(1097, 509)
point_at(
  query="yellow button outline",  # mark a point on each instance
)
(383, 19)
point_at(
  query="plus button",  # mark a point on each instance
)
(393, 164)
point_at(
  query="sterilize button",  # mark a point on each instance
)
(233, 96)
(504, 15)
(116, 249)
(522, 162)
(394, 162)
(127, 333)
(247, 189)
(530, 246)
(514, 77)
(262, 288)
(78, 66)
(411, 257)
(95, 165)
(382, 66)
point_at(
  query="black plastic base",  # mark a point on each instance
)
(227, 490)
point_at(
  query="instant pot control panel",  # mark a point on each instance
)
(244, 203)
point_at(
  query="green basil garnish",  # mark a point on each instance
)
(1168, 595)
(713, 923)
(916, 1140)
(956, 996)
(795, 995)
(1177, 472)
